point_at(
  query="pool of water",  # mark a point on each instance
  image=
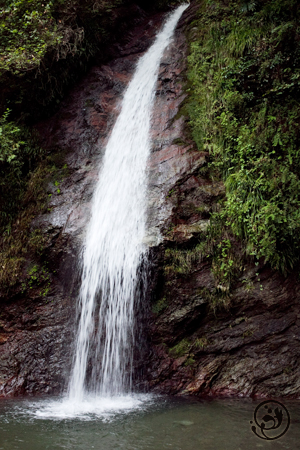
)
(139, 423)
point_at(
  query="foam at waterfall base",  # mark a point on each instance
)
(90, 407)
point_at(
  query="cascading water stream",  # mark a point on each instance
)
(114, 248)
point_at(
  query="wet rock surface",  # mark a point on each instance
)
(37, 330)
(249, 345)
(250, 349)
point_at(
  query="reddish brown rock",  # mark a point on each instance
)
(250, 345)
(37, 328)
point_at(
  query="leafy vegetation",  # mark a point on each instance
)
(180, 261)
(41, 43)
(23, 201)
(46, 45)
(19, 153)
(244, 79)
(160, 306)
(37, 276)
(180, 349)
(27, 29)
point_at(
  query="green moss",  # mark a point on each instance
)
(201, 343)
(160, 306)
(181, 349)
(178, 141)
(182, 261)
(248, 333)
(218, 298)
(287, 370)
(190, 361)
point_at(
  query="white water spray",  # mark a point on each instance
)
(114, 249)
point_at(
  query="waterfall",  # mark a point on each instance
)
(114, 250)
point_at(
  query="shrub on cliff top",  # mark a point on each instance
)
(45, 45)
(27, 29)
(42, 42)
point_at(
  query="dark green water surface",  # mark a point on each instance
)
(153, 423)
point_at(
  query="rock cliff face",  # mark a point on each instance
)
(37, 330)
(243, 343)
(246, 346)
